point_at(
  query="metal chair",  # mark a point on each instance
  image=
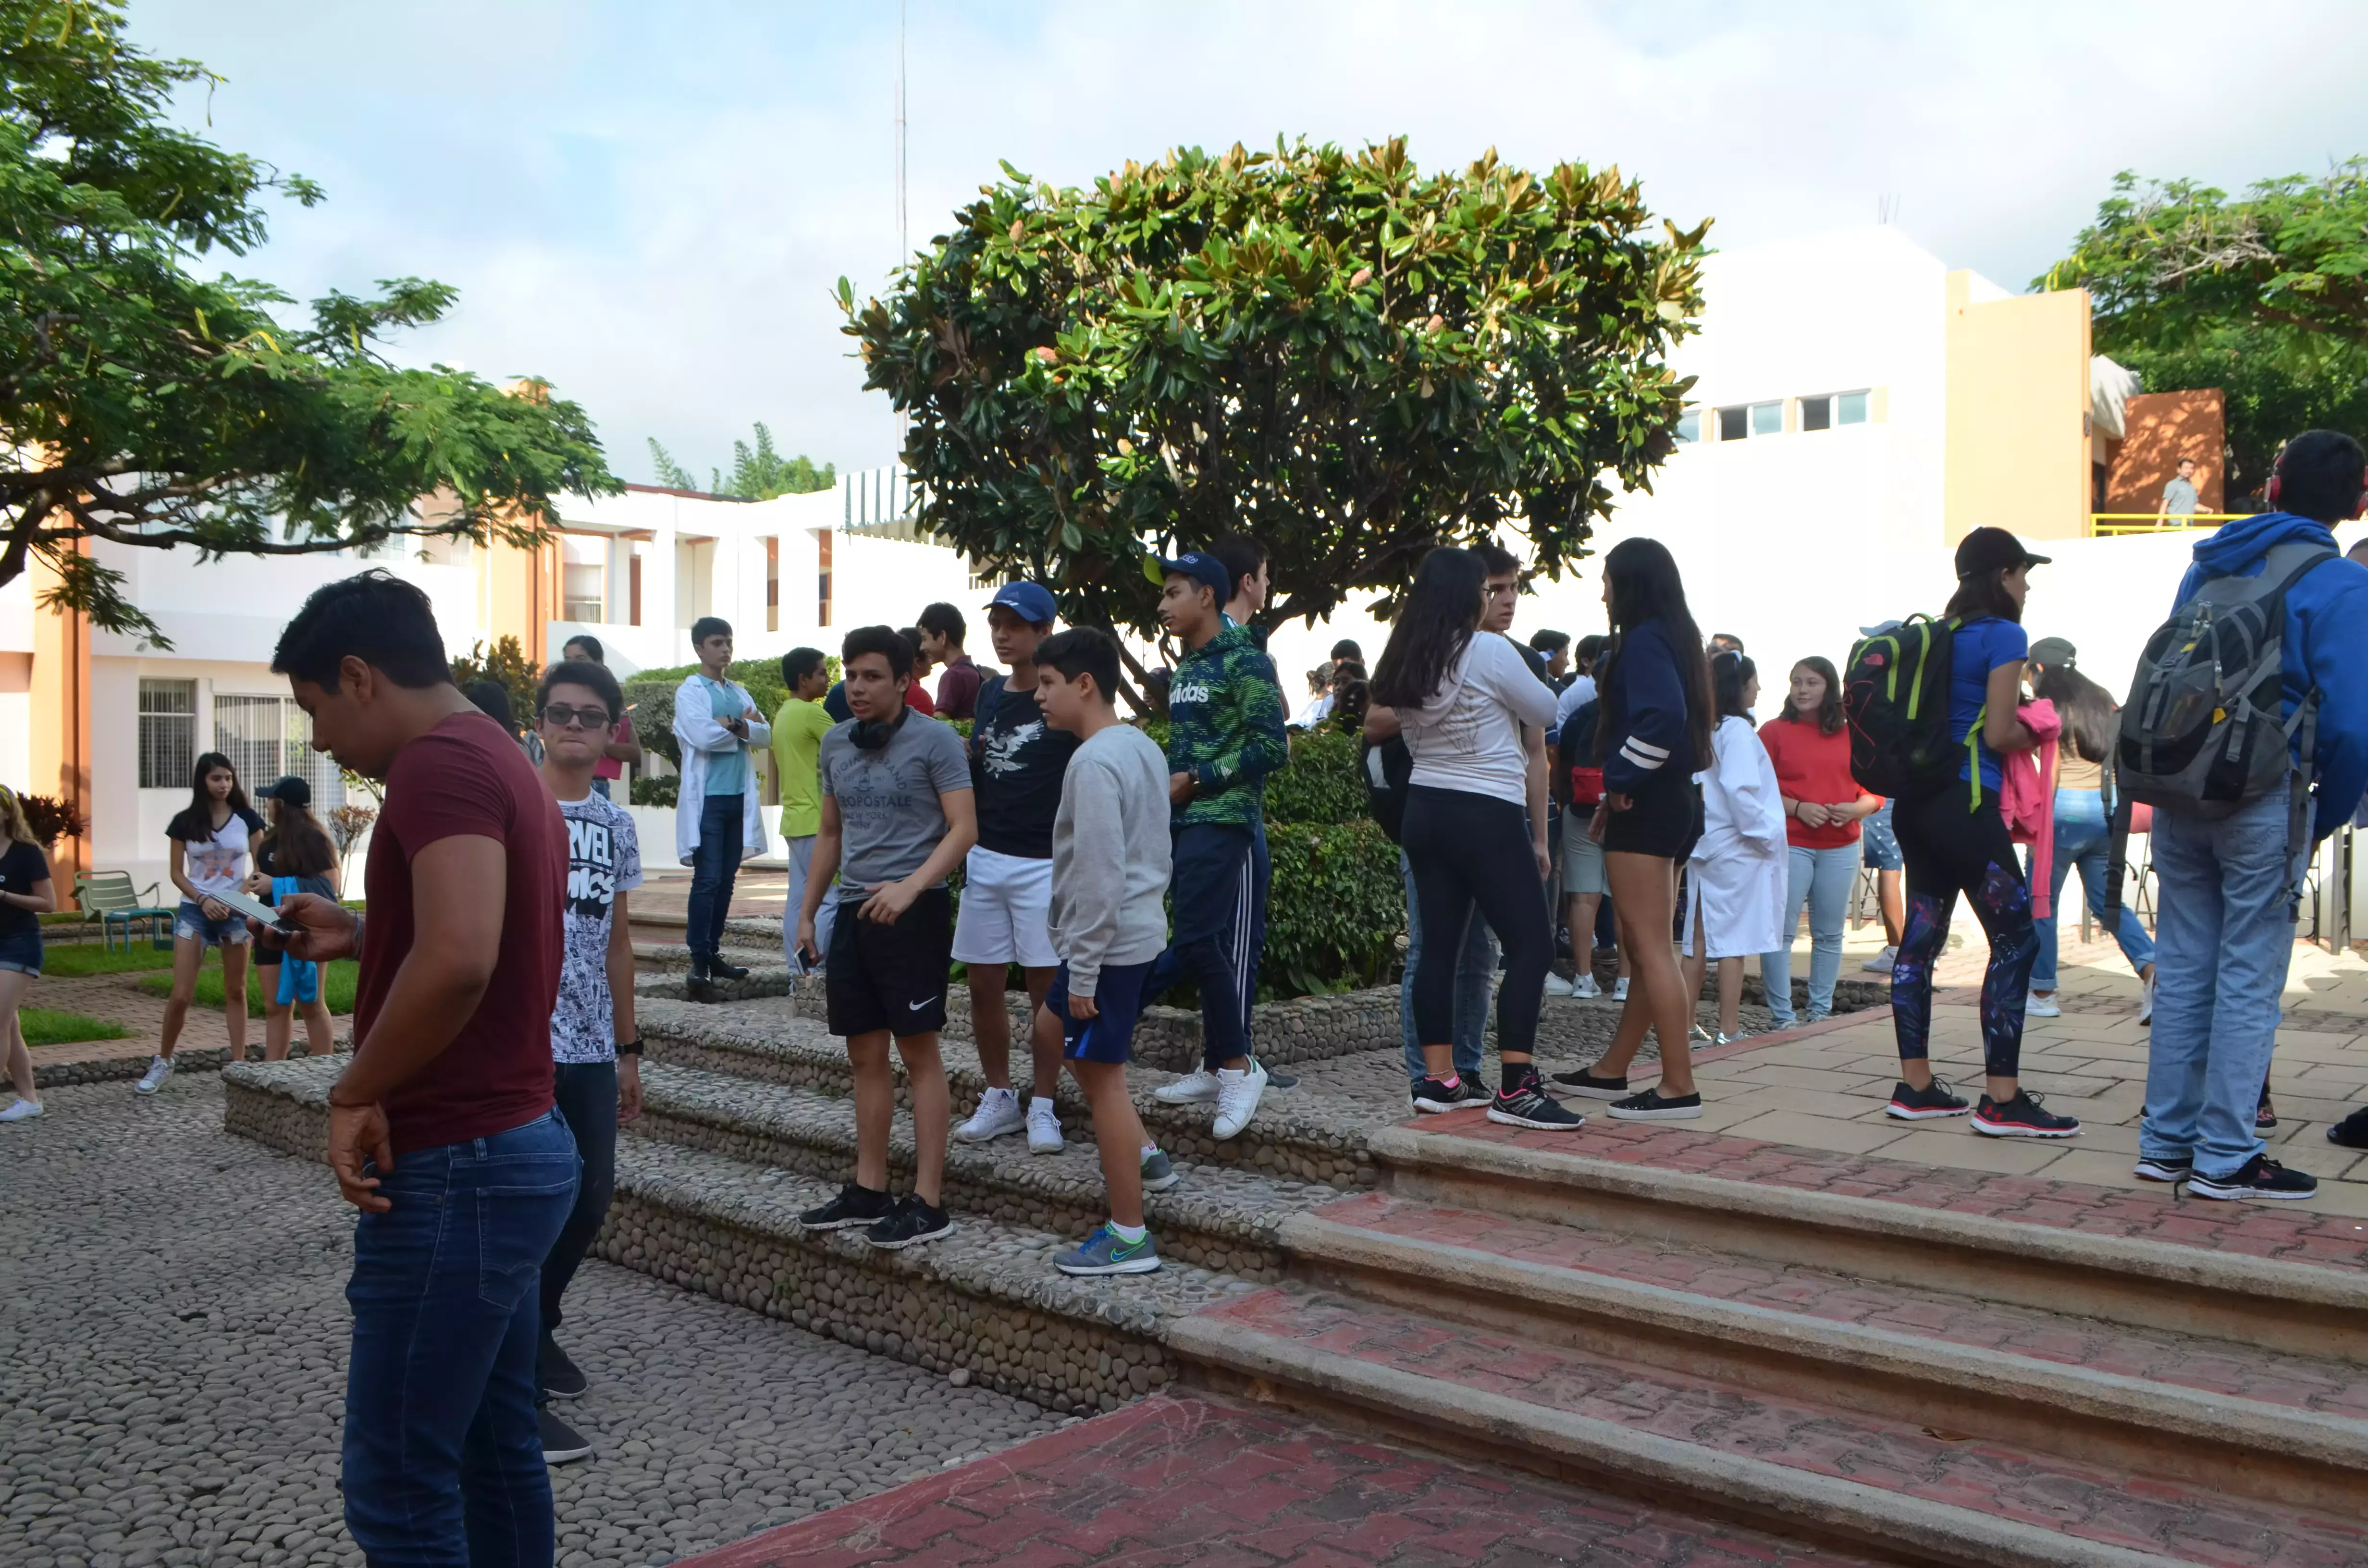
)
(110, 898)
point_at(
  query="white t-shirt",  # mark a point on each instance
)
(216, 864)
(1575, 696)
(1468, 736)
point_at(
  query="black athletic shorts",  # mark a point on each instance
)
(1666, 820)
(889, 977)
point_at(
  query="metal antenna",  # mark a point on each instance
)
(903, 250)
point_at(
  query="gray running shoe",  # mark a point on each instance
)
(1158, 1173)
(1104, 1252)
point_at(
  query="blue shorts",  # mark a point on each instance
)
(1878, 845)
(189, 921)
(22, 954)
(1109, 1036)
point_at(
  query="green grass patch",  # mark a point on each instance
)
(67, 961)
(44, 1026)
(337, 982)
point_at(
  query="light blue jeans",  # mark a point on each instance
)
(2225, 935)
(1474, 977)
(1820, 878)
(2084, 837)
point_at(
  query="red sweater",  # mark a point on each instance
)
(1813, 766)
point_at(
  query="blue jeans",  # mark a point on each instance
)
(714, 867)
(2223, 924)
(2083, 836)
(1475, 971)
(443, 1461)
(1820, 878)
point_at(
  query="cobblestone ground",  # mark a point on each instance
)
(173, 1352)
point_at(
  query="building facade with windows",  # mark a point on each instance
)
(115, 728)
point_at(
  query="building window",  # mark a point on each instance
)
(1816, 413)
(1734, 423)
(822, 581)
(266, 737)
(772, 585)
(584, 577)
(1689, 424)
(168, 734)
(1849, 408)
(1750, 419)
(1767, 418)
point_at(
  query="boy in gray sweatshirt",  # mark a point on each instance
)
(1109, 874)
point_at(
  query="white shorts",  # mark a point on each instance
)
(1006, 912)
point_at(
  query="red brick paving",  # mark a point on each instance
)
(2087, 1502)
(1209, 1482)
(2332, 1240)
(2332, 1387)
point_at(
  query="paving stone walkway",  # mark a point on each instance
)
(1194, 1480)
(173, 1333)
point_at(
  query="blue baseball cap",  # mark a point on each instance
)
(1199, 565)
(1030, 601)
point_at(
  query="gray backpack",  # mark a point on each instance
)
(2203, 731)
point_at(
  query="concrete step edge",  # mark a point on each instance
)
(1772, 1496)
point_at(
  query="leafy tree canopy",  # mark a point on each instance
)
(759, 472)
(144, 405)
(1348, 359)
(2264, 296)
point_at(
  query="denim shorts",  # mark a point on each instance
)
(22, 954)
(1879, 845)
(189, 921)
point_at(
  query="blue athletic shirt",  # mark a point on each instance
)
(1981, 647)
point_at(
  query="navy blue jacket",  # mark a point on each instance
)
(1645, 736)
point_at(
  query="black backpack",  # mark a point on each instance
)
(1387, 764)
(1895, 697)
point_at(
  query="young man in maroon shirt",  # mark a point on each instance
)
(441, 1129)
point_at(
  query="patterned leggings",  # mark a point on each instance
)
(1951, 850)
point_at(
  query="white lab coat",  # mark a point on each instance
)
(1738, 870)
(699, 737)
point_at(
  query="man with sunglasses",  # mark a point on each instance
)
(595, 1048)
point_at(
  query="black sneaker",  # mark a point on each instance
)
(718, 970)
(853, 1206)
(2021, 1116)
(1926, 1104)
(1587, 1085)
(1654, 1105)
(1430, 1097)
(2260, 1177)
(560, 1377)
(2351, 1132)
(2164, 1167)
(562, 1444)
(1522, 1101)
(913, 1224)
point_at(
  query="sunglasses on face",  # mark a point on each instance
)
(566, 718)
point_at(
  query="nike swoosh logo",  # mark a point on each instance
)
(916, 1006)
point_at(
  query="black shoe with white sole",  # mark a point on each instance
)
(2164, 1167)
(1432, 1097)
(1522, 1101)
(1654, 1105)
(560, 1377)
(562, 1444)
(853, 1206)
(1930, 1103)
(2021, 1116)
(913, 1224)
(1587, 1085)
(2259, 1176)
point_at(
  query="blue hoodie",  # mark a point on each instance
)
(2326, 647)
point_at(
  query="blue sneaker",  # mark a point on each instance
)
(1104, 1252)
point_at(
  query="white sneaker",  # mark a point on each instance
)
(23, 1110)
(1557, 986)
(2146, 1000)
(1881, 963)
(1586, 987)
(1619, 989)
(1195, 1088)
(1043, 1129)
(1238, 1099)
(2037, 1006)
(159, 1069)
(998, 1112)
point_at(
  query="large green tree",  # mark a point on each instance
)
(144, 404)
(1348, 359)
(2263, 295)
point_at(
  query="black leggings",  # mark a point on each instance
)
(1469, 850)
(1951, 850)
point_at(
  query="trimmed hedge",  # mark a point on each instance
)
(1337, 905)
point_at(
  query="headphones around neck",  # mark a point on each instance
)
(871, 734)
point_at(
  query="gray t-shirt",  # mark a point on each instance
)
(2179, 499)
(889, 814)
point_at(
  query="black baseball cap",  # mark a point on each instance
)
(287, 788)
(1992, 549)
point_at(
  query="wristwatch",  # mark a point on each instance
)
(630, 1046)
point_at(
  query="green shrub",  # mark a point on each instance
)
(1336, 910)
(656, 792)
(1323, 784)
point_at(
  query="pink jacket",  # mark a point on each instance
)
(2027, 798)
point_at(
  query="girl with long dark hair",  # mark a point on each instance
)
(1653, 733)
(1823, 807)
(210, 839)
(26, 894)
(2083, 821)
(1956, 842)
(1737, 874)
(1475, 831)
(295, 857)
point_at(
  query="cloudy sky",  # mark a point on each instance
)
(648, 203)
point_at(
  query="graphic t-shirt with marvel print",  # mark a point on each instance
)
(604, 859)
(1017, 762)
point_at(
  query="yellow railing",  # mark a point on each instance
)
(2100, 523)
